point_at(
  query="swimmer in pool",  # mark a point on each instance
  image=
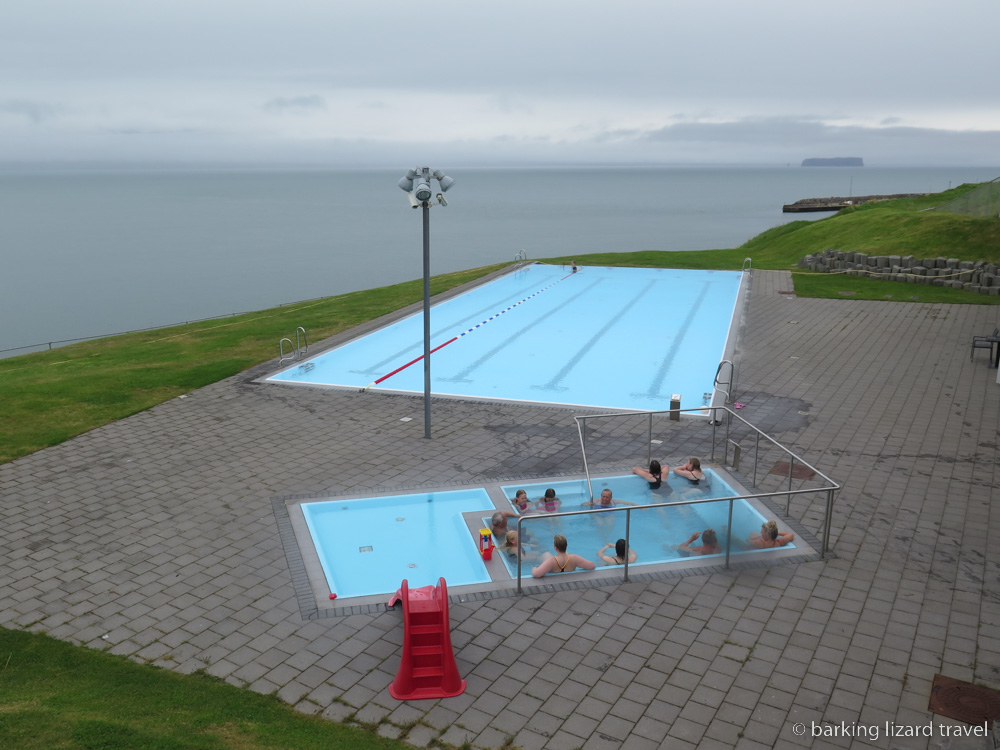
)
(498, 524)
(549, 503)
(606, 501)
(691, 471)
(709, 543)
(521, 502)
(619, 557)
(511, 545)
(561, 562)
(654, 475)
(769, 536)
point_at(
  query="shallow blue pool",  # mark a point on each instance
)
(369, 546)
(622, 338)
(654, 533)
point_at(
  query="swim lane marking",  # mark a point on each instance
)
(553, 383)
(377, 367)
(656, 384)
(462, 376)
(466, 332)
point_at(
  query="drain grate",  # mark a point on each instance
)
(798, 471)
(963, 701)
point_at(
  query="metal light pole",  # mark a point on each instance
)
(417, 185)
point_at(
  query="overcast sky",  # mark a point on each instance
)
(466, 82)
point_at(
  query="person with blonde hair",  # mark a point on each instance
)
(691, 471)
(769, 536)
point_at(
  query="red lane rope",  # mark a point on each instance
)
(465, 332)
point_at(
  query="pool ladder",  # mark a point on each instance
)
(727, 392)
(301, 346)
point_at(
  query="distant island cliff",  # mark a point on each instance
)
(838, 161)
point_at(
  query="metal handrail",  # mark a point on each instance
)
(832, 486)
(717, 383)
(748, 264)
(305, 349)
(281, 351)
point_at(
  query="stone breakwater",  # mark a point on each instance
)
(836, 204)
(979, 276)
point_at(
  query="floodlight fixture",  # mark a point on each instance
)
(406, 183)
(422, 190)
(444, 180)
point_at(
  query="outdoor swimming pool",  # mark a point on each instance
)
(369, 545)
(620, 338)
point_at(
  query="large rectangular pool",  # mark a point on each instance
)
(618, 338)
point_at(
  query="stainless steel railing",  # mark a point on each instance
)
(830, 486)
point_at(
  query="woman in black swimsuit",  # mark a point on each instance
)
(691, 471)
(654, 476)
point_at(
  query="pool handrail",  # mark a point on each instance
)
(832, 486)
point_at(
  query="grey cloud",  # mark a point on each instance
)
(295, 105)
(35, 112)
(795, 138)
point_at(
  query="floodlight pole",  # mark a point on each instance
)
(426, 208)
(420, 195)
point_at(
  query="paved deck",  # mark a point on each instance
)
(155, 537)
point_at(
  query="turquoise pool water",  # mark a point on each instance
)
(654, 533)
(620, 338)
(368, 546)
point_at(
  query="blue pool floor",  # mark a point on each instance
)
(618, 338)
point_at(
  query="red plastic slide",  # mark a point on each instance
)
(427, 669)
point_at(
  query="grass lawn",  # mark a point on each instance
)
(54, 695)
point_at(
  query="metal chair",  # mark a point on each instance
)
(985, 342)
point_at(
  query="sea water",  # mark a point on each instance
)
(93, 251)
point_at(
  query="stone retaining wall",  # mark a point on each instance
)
(979, 276)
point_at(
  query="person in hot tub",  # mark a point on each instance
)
(498, 525)
(654, 475)
(709, 543)
(521, 502)
(619, 557)
(562, 561)
(605, 501)
(691, 471)
(769, 536)
(549, 502)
